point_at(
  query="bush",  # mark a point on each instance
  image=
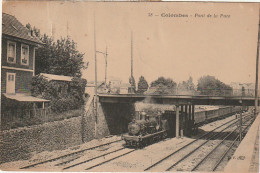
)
(22, 122)
(63, 95)
(65, 104)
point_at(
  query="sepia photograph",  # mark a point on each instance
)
(130, 86)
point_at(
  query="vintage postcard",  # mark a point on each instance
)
(129, 86)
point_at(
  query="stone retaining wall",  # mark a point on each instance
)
(19, 143)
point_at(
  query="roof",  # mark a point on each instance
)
(12, 27)
(25, 98)
(56, 77)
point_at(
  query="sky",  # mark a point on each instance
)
(174, 47)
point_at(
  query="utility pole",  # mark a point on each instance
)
(96, 101)
(96, 98)
(132, 64)
(67, 29)
(132, 75)
(53, 31)
(105, 55)
(257, 64)
(106, 68)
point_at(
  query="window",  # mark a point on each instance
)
(24, 54)
(10, 77)
(11, 52)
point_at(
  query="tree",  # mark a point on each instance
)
(166, 82)
(186, 87)
(190, 84)
(63, 95)
(142, 85)
(132, 83)
(163, 86)
(60, 57)
(209, 85)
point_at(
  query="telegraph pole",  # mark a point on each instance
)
(67, 29)
(132, 64)
(257, 64)
(106, 68)
(105, 55)
(96, 101)
(132, 75)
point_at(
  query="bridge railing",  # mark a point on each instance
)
(206, 92)
(199, 92)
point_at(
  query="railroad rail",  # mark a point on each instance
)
(111, 159)
(229, 148)
(88, 160)
(215, 166)
(68, 155)
(229, 124)
(106, 161)
(196, 167)
(75, 155)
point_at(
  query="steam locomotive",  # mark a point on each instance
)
(146, 129)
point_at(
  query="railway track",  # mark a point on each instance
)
(225, 144)
(228, 149)
(217, 149)
(76, 159)
(93, 158)
(128, 151)
(187, 150)
(68, 157)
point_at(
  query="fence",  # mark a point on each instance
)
(26, 113)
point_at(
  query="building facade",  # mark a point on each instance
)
(18, 56)
(243, 89)
(117, 87)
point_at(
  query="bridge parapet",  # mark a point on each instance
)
(164, 91)
(202, 92)
(179, 99)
